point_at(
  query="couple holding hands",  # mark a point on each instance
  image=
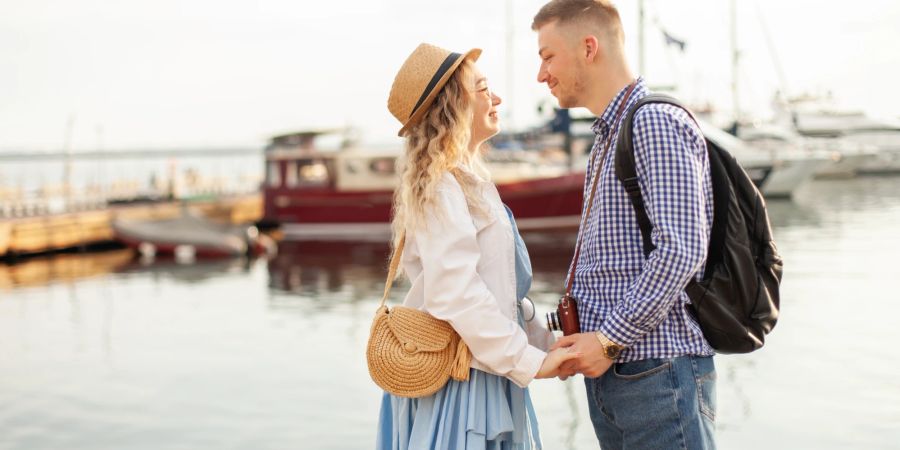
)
(648, 371)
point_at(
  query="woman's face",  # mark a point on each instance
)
(485, 122)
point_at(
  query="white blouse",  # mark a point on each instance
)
(462, 268)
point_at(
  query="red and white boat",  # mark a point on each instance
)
(347, 194)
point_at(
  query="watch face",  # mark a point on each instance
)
(612, 351)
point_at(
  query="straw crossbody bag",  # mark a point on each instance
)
(410, 352)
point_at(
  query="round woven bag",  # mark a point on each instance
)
(411, 353)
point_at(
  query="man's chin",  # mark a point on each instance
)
(563, 101)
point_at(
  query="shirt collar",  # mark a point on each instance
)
(471, 173)
(605, 121)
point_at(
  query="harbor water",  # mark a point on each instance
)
(253, 354)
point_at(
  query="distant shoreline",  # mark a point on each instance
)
(129, 154)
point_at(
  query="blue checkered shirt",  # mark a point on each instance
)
(635, 301)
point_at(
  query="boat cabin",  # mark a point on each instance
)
(303, 179)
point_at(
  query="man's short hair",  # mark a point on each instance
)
(598, 14)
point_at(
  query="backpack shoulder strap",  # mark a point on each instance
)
(626, 171)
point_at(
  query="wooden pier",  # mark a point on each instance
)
(62, 268)
(47, 233)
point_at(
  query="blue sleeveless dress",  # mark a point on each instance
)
(488, 412)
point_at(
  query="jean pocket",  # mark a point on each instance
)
(705, 376)
(637, 370)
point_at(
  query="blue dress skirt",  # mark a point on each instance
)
(487, 412)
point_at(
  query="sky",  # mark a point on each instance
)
(201, 73)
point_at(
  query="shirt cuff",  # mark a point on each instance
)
(620, 331)
(527, 367)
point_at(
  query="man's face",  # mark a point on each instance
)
(561, 67)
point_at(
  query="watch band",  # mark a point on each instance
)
(610, 349)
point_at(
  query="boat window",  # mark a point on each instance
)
(306, 172)
(382, 166)
(273, 174)
(291, 174)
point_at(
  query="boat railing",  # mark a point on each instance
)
(58, 199)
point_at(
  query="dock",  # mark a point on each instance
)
(53, 232)
(63, 268)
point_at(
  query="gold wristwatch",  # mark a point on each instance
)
(610, 349)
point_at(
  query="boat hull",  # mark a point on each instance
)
(789, 175)
(538, 204)
(544, 204)
(189, 235)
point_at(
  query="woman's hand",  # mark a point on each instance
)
(550, 366)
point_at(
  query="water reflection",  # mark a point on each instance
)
(67, 268)
(311, 267)
(785, 213)
(61, 268)
(828, 202)
(189, 272)
(312, 273)
(193, 348)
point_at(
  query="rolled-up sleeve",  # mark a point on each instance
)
(454, 290)
(670, 158)
(538, 334)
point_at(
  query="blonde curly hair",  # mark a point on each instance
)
(439, 143)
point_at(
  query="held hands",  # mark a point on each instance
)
(553, 360)
(591, 362)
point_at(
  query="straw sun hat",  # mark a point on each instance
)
(420, 79)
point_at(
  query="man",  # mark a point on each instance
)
(648, 371)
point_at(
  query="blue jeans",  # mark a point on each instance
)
(655, 404)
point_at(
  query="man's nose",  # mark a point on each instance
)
(495, 99)
(542, 74)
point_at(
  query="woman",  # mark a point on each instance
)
(466, 262)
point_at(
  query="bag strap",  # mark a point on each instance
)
(594, 183)
(392, 270)
(626, 170)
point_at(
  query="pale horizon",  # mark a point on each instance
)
(226, 74)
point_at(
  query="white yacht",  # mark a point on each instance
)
(812, 116)
(777, 174)
(847, 156)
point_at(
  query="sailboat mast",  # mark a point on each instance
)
(735, 56)
(773, 54)
(67, 161)
(641, 67)
(510, 62)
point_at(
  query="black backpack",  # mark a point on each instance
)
(736, 302)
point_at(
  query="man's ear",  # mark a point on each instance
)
(591, 48)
